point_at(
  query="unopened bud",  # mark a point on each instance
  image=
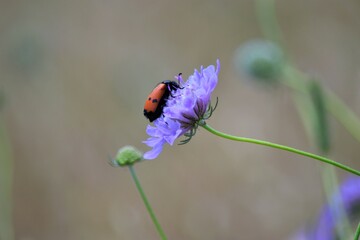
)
(126, 156)
(259, 59)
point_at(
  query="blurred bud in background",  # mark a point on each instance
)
(259, 59)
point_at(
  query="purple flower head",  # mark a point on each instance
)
(344, 203)
(185, 109)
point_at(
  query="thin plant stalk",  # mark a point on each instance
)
(6, 181)
(295, 79)
(357, 233)
(147, 204)
(266, 14)
(340, 111)
(281, 147)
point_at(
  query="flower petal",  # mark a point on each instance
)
(186, 106)
(153, 153)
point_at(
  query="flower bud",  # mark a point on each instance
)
(259, 59)
(127, 155)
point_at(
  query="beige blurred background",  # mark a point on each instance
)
(75, 75)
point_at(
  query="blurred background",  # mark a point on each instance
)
(74, 76)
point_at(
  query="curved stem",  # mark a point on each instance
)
(281, 147)
(147, 204)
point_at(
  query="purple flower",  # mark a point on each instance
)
(184, 110)
(347, 197)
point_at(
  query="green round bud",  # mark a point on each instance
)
(127, 155)
(260, 59)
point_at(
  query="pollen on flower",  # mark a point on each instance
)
(186, 108)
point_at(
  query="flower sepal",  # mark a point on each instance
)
(201, 122)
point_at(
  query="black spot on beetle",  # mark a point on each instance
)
(154, 100)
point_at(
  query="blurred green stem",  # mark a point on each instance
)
(281, 147)
(315, 122)
(337, 208)
(146, 202)
(297, 81)
(305, 104)
(357, 233)
(266, 14)
(6, 176)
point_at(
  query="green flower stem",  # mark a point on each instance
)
(296, 80)
(331, 187)
(343, 114)
(266, 14)
(357, 233)
(281, 147)
(147, 204)
(6, 183)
